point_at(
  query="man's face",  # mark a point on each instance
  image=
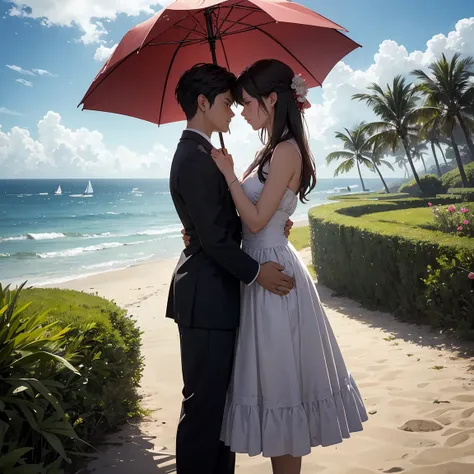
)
(220, 114)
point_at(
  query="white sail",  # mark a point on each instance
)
(58, 191)
(89, 189)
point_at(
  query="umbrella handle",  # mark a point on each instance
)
(221, 139)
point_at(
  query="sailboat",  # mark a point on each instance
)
(58, 191)
(89, 192)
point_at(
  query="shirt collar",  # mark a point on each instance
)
(200, 133)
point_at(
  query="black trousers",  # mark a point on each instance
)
(207, 357)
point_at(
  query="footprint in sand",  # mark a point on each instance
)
(467, 413)
(423, 385)
(421, 426)
(466, 424)
(464, 398)
(456, 439)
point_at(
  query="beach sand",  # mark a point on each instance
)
(418, 389)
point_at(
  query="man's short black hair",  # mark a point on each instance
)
(206, 79)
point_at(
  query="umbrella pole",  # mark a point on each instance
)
(211, 38)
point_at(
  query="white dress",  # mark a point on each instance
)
(290, 388)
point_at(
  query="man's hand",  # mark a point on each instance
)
(186, 238)
(288, 226)
(273, 279)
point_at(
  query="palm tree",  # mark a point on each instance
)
(419, 153)
(396, 106)
(376, 157)
(431, 131)
(449, 88)
(355, 152)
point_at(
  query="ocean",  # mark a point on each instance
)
(47, 238)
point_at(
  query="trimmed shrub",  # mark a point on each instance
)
(386, 265)
(369, 196)
(70, 366)
(466, 194)
(452, 179)
(430, 184)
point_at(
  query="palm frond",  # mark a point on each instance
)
(338, 155)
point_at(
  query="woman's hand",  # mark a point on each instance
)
(224, 162)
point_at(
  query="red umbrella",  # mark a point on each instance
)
(140, 77)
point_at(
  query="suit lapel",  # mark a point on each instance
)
(189, 135)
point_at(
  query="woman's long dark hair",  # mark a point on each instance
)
(259, 80)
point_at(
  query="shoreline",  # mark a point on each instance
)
(60, 281)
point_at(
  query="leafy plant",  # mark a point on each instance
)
(31, 412)
(455, 219)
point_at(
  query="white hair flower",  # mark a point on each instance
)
(298, 84)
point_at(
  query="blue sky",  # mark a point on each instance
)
(45, 44)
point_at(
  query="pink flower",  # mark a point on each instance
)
(471, 276)
(466, 222)
(430, 204)
(460, 227)
(451, 209)
(464, 210)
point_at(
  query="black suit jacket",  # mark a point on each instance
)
(205, 288)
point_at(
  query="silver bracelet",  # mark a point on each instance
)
(236, 179)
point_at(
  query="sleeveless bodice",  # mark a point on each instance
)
(273, 234)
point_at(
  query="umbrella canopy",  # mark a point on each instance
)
(140, 77)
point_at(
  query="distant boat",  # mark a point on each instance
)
(89, 192)
(58, 191)
(136, 192)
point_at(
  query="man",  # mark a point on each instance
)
(204, 297)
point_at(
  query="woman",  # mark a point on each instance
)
(290, 388)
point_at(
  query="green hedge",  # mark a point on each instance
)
(430, 183)
(416, 273)
(452, 179)
(69, 371)
(466, 194)
(368, 196)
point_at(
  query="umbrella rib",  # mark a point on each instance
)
(237, 22)
(197, 23)
(182, 42)
(287, 50)
(179, 27)
(166, 80)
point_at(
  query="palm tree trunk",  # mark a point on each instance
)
(412, 166)
(442, 152)
(360, 176)
(435, 158)
(424, 164)
(381, 177)
(459, 161)
(467, 134)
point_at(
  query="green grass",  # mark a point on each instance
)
(299, 237)
(418, 217)
(368, 196)
(69, 307)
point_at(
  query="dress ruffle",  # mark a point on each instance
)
(275, 431)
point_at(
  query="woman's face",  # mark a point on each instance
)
(254, 114)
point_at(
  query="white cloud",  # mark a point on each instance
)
(5, 111)
(43, 72)
(59, 151)
(27, 72)
(25, 83)
(20, 70)
(84, 13)
(103, 53)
